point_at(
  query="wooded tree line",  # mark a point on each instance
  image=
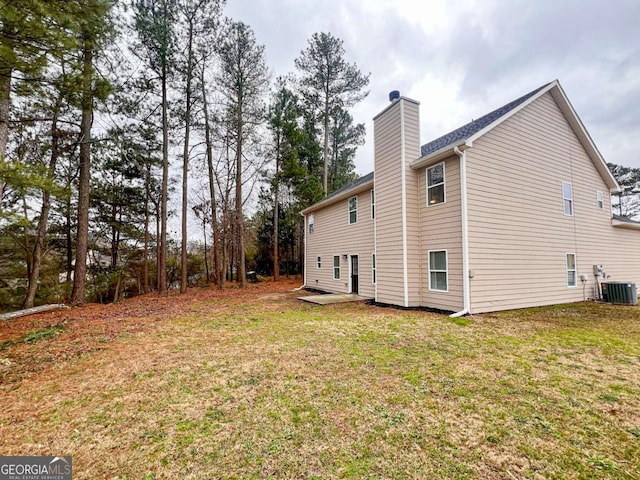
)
(112, 110)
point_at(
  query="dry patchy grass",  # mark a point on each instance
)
(255, 384)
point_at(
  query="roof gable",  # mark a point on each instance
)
(464, 136)
(470, 129)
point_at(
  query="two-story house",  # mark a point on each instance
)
(511, 210)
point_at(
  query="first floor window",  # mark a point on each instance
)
(319, 262)
(311, 223)
(567, 198)
(373, 268)
(353, 210)
(571, 270)
(438, 270)
(435, 184)
(336, 267)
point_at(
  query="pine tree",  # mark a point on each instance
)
(154, 20)
(242, 80)
(286, 136)
(200, 21)
(93, 26)
(328, 81)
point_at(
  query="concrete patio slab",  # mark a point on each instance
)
(328, 299)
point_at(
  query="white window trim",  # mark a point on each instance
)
(575, 269)
(444, 185)
(600, 200)
(373, 204)
(446, 258)
(349, 210)
(374, 269)
(319, 262)
(573, 209)
(338, 267)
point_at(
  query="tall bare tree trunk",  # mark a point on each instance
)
(325, 151)
(276, 207)
(217, 273)
(185, 162)
(38, 249)
(241, 274)
(162, 255)
(5, 106)
(157, 248)
(68, 238)
(206, 259)
(147, 193)
(78, 294)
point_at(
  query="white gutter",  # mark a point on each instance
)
(466, 287)
(404, 208)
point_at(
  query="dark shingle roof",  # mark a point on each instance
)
(621, 218)
(356, 183)
(456, 136)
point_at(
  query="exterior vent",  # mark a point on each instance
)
(394, 95)
(620, 292)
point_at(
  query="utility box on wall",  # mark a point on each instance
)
(620, 292)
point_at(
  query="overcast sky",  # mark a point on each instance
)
(463, 58)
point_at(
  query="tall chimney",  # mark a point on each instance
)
(396, 144)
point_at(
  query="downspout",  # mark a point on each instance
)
(466, 287)
(304, 239)
(375, 239)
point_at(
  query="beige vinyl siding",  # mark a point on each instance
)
(412, 185)
(333, 235)
(518, 233)
(441, 229)
(387, 184)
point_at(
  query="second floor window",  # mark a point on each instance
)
(311, 223)
(353, 210)
(435, 184)
(567, 198)
(373, 204)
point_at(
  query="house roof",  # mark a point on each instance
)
(466, 131)
(356, 183)
(463, 137)
(624, 222)
(360, 183)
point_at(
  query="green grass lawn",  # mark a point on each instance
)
(269, 387)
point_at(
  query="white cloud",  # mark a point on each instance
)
(462, 59)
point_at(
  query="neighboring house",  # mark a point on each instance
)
(511, 210)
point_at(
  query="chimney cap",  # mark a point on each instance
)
(394, 95)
